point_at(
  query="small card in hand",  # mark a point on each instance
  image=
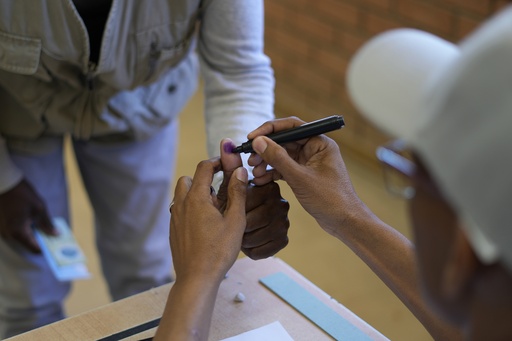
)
(62, 252)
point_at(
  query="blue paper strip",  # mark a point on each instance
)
(312, 308)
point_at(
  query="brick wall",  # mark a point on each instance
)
(311, 41)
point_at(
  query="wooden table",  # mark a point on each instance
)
(261, 307)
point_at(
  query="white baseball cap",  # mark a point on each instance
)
(453, 105)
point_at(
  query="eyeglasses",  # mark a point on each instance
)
(398, 168)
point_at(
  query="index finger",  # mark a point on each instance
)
(275, 125)
(203, 176)
(180, 191)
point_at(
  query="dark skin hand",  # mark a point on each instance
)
(266, 231)
(21, 208)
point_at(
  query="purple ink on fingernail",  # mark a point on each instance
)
(228, 147)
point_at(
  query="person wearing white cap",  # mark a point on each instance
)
(450, 108)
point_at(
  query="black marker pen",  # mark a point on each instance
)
(306, 130)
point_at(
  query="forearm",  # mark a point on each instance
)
(188, 310)
(392, 257)
(238, 78)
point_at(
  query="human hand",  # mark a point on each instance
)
(266, 211)
(21, 208)
(205, 242)
(313, 168)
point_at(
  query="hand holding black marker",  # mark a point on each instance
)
(306, 130)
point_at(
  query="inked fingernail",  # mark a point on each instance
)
(229, 146)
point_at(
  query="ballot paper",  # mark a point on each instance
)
(63, 254)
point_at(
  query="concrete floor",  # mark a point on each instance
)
(322, 259)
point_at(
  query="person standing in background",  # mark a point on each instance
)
(114, 76)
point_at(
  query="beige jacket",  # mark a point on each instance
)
(147, 71)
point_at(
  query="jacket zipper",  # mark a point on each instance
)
(89, 77)
(90, 67)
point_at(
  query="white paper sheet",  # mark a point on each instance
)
(271, 332)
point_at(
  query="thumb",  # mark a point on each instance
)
(42, 220)
(237, 192)
(276, 156)
(230, 162)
